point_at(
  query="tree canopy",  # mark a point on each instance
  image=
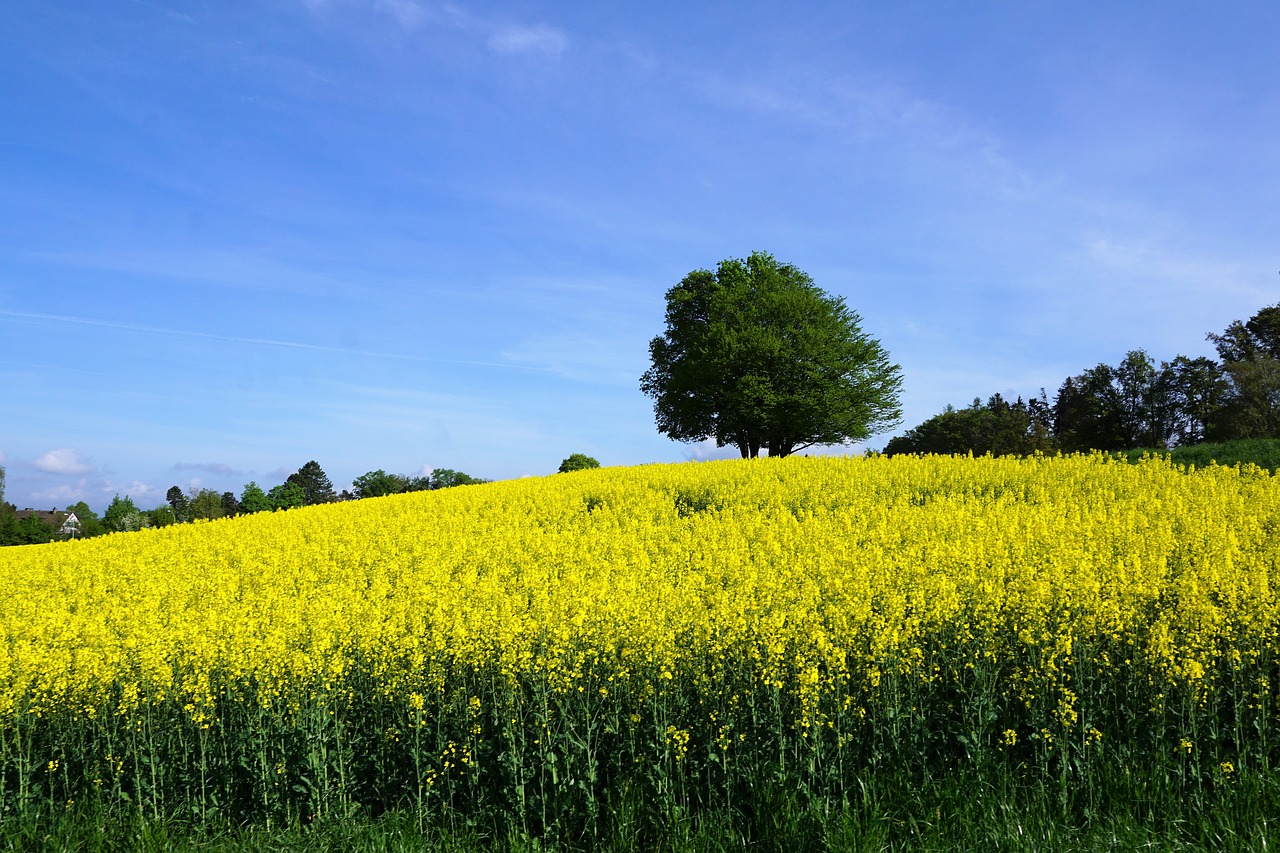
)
(756, 356)
(253, 499)
(1137, 403)
(287, 495)
(444, 478)
(206, 504)
(315, 484)
(578, 462)
(122, 514)
(376, 484)
(997, 427)
(177, 500)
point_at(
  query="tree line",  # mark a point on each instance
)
(307, 486)
(1134, 404)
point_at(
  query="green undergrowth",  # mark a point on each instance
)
(1117, 810)
(1263, 452)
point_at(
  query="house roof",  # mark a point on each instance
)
(52, 517)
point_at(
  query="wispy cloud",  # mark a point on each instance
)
(408, 14)
(142, 494)
(539, 38)
(584, 358)
(503, 37)
(209, 468)
(61, 495)
(266, 342)
(65, 460)
(98, 492)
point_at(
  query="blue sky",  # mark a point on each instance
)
(399, 234)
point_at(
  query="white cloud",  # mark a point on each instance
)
(66, 460)
(63, 495)
(143, 495)
(538, 38)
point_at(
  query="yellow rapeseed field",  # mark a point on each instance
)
(1007, 603)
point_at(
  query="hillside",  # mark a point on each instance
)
(551, 656)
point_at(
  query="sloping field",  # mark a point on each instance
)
(551, 653)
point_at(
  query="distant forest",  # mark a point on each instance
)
(307, 486)
(1136, 404)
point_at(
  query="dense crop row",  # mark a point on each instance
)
(642, 642)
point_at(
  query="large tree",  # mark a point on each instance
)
(287, 495)
(1115, 408)
(757, 356)
(376, 484)
(1198, 391)
(179, 503)
(253, 499)
(205, 503)
(1250, 355)
(578, 462)
(314, 483)
(122, 514)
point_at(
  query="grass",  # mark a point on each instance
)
(1263, 452)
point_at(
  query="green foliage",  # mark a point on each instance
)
(997, 427)
(1252, 409)
(1259, 337)
(28, 530)
(378, 483)
(1263, 452)
(578, 462)
(315, 484)
(1114, 408)
(90, 524)
(1250, 354)
(287, 495)
(206, 504)
(230, 506)
(374, 484)
(161, 516)
(1135, 405)
(444, 478)
(8, 525)
(755, 355)
(1198, 391)
(253, 499)
(178, 503)
(358, 768)
(958, 810)
(123, 515)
